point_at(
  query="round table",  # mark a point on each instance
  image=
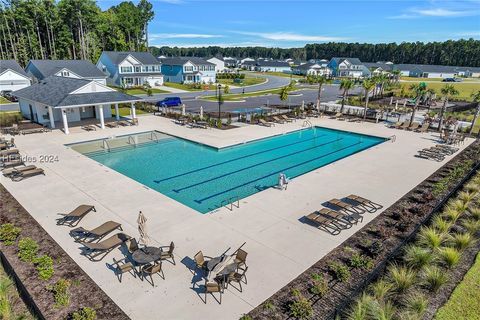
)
(146, 255)
(229, 268)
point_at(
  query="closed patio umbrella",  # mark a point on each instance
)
(302, 108)
(183, 109)
(201, 113)
(142, 228)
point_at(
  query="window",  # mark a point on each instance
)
(138, 69)
(65, 74)
(188, 68)
(125, 69)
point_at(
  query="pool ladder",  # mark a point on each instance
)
(132, 141)
(230, 203)
(105, 145)
(393, 138)
(152, 135)
(307, 123)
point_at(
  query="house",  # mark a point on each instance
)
(12, 76)
(188, 70)
(377, 68)
(315, 69)
(272, 66)
(219, 63)
(427, 71)
(79, 69)
(73, 100)
(348, 67)
(246, 59)
(248, 65)
(230, 62)
(469, 72)
(130, 68)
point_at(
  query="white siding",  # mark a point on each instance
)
(10, 80)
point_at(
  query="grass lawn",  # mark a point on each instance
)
(280, 74)
(248, 81)
(4, 100)
(12, 306)
(141, 91)
(239, 96)
(465, 88)
(125, 111)
(464, 303)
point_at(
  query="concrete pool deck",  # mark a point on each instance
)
(279, 246)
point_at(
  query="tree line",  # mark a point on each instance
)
(70, 29)
(452, 52)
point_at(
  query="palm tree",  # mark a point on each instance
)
(321, 81)
(367, 85)
(447, 91)
(284, 93)
(345, 85)
(476, 99)
(419, 89)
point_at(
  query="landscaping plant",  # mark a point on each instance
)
(60, 292)
(27, 249)
(44, 265)
(9, 233)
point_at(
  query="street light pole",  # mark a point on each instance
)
(219, 99)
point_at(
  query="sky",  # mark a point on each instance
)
(286, 24)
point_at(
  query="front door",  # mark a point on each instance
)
(31, 113)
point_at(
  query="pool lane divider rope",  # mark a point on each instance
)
(276, 172)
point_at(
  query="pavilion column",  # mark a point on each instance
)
(50, 116)
(100, 114)
(65, 121)
(117, 113)
(134, 115)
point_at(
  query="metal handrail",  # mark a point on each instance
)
(130, 138)
(154, 134)
(393, 138)
(105, 142)
(231, 202)
(307, 123)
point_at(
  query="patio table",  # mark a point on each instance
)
(146, 255)
(221, 266)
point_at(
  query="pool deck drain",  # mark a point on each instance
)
(279, 246)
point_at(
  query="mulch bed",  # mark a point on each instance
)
(84, 292)
(388, 231)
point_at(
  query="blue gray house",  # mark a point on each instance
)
(78, 69)
(348, 67)
(188, 70)
(130, 68)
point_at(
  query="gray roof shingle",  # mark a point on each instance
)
(83, 68)
(183, 60)
(265, 63)
(55, 91)
(143, 57)
(12, 65)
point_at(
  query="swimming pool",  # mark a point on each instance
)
(203, 178)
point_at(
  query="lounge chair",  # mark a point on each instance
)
(338, 116)
(284, 117)
(265, 123)
(75, 216)
(324, 222)
(430, 155)
(396, 125)
(98, 251)
(404, 126)
(12, 163)
(112, 124)
(5, 153)
(165, 255)
(368, 205)
(16, 170)
(81, 234)
(350, 218)
(278, 120)
(89, 127)
(423, 128)
(123, 123)
(414, 126)
(27, 174)
(346, 207)
(3, 146)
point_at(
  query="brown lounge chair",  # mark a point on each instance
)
(284, 117)
(346, 207)
(423, 128)
(414, 126)
(72, 218)
(323, 222)
(265, 123)
(27, 174)
(368, 205)
(404, 126)
(97, 234)
(278, 120)
(352, 218)
(396, 125)
(98, 251)
(12, 163)
(338, 116)
(8, 152)
(15, 170)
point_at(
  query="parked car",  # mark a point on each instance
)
(452, 80)
(169, 102)
(7, 94)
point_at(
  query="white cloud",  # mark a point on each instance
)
(468, 34)
(183, 36)
(440, 12)
(200, 45)
(289, 36)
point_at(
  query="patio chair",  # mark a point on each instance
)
(200, 262)
(414, 126)
(3, 146)
(123, 266)
(97, 234)
(346, 207)
(132, 245)
(27, 174)
(241, 257)
(98, 251)
(323, 222)
(16, 170)
(350, 218)
(112, 125)
(89, 127)
(151, 269)
(213, 287)
(265, 123)
(396, 125)
(72, 218)
(284, 117)
(367, 204)
(237, 277)
(404, 126)
(424, 128)
(278, 120)
(165, 255)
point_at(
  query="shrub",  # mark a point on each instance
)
(361, 308)
(60, 292)
(84, 314)
(449, 256)
(462, 240)
(402, 277)
(430, 237)
(433, 278)
(451, 214)
(27, 249)
(360, 261)
(9, 233)
(301, 308)
(268, 305)
(381, 289)
(442, 225)
(44, 267)
(319, 286)
(9, 118)
(417, 257)
(475, 213)
(340, 271)
(416, 304)
(246, 317)
(471, 225)
(384, 311)
(466, 197)
(219, 123)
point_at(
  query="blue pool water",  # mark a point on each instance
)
(203, 177)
